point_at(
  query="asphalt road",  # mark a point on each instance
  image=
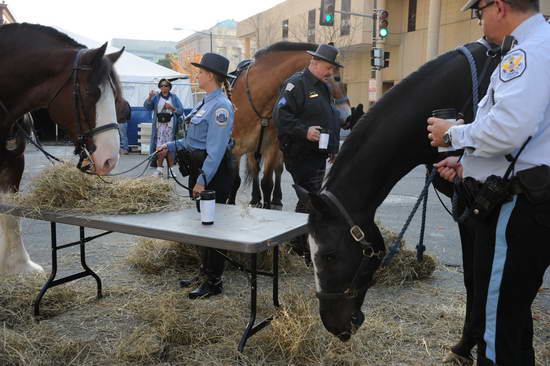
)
(441, 239)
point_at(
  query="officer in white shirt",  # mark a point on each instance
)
(510, 251)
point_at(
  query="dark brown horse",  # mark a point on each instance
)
(43, 68)
(254, 94)
(387, 142)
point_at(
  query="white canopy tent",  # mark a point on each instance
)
(139, 76)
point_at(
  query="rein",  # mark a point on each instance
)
(368, 253)
(264, 120)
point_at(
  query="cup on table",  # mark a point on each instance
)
(207, 206)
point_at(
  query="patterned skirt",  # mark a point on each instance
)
(164, 133)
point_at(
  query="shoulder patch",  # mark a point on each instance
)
(289, 87)
(222, 115)
(513, 65)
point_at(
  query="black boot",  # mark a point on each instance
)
(189, 282)
(210, 287)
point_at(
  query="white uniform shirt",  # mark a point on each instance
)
(516, 106)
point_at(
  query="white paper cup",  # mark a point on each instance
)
(323, 140)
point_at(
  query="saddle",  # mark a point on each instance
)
(240, 68)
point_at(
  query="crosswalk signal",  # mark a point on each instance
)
(377, 60)
(382, 16)
(327, 13)
(386, 59)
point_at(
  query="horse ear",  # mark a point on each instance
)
(96, 55)
(313, 200)
(113, 57)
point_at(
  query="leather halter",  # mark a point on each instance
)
(82, 149)
(368, 253)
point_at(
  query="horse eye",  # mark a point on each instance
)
(337, 79)
(329, 257)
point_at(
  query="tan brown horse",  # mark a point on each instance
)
(254, 94)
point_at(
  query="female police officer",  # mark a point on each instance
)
(209, 130)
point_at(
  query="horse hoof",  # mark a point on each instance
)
(277, 207)
(458, 360)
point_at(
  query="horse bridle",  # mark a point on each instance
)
(82, 149)
(369, 254)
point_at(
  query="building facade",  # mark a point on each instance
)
(419, 31)
(221, 38)
(150, 50)
(6, 16)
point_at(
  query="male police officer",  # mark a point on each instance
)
(510, 250)
(304, 108)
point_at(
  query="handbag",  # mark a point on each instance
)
(164, 117)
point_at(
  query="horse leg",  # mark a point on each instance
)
(461, 352)
(14, 258)
(253, 173)
(236, 182)
(277, 201)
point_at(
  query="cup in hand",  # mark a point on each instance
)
(448, 114)
(207, 207)
(323, 139)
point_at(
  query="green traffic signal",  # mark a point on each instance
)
(383, 32)
(328, 18)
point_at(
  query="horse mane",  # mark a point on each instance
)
(285, 46)
(407, 86)
(54, 33)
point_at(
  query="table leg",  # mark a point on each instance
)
(52, 282)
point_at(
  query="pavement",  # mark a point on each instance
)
(441, 239)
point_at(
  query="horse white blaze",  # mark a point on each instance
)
(107, 143)
(14, 258)
(313, 249)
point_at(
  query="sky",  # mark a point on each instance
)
(103, 20)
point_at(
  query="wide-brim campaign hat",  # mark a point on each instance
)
(469, 4)
(326, 53)
(214, 63)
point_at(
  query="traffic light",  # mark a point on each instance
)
(382, 17)
(327, 13)
(386, 59)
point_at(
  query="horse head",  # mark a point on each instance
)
(86, 105)
(338, 92)
(387, 142)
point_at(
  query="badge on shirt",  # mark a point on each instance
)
(222, 115)
(313, 94)
(289, 87)
(513, 65)
(201, 113)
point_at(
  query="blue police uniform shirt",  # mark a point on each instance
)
(209, 129)
(516, 106)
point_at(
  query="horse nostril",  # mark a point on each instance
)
(357, 319)
(108, 165)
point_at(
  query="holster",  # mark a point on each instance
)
(483, 198)
(535, 183)
(190, 161)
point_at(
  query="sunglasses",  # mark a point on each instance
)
(165, 86)
(478, 12)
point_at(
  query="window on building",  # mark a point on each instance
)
(411, 24)
(285, 28)
(311, 26)
(345, 24)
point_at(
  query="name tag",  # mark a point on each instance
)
(313, 94)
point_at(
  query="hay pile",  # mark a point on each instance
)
(159, 325)
(63, 187)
